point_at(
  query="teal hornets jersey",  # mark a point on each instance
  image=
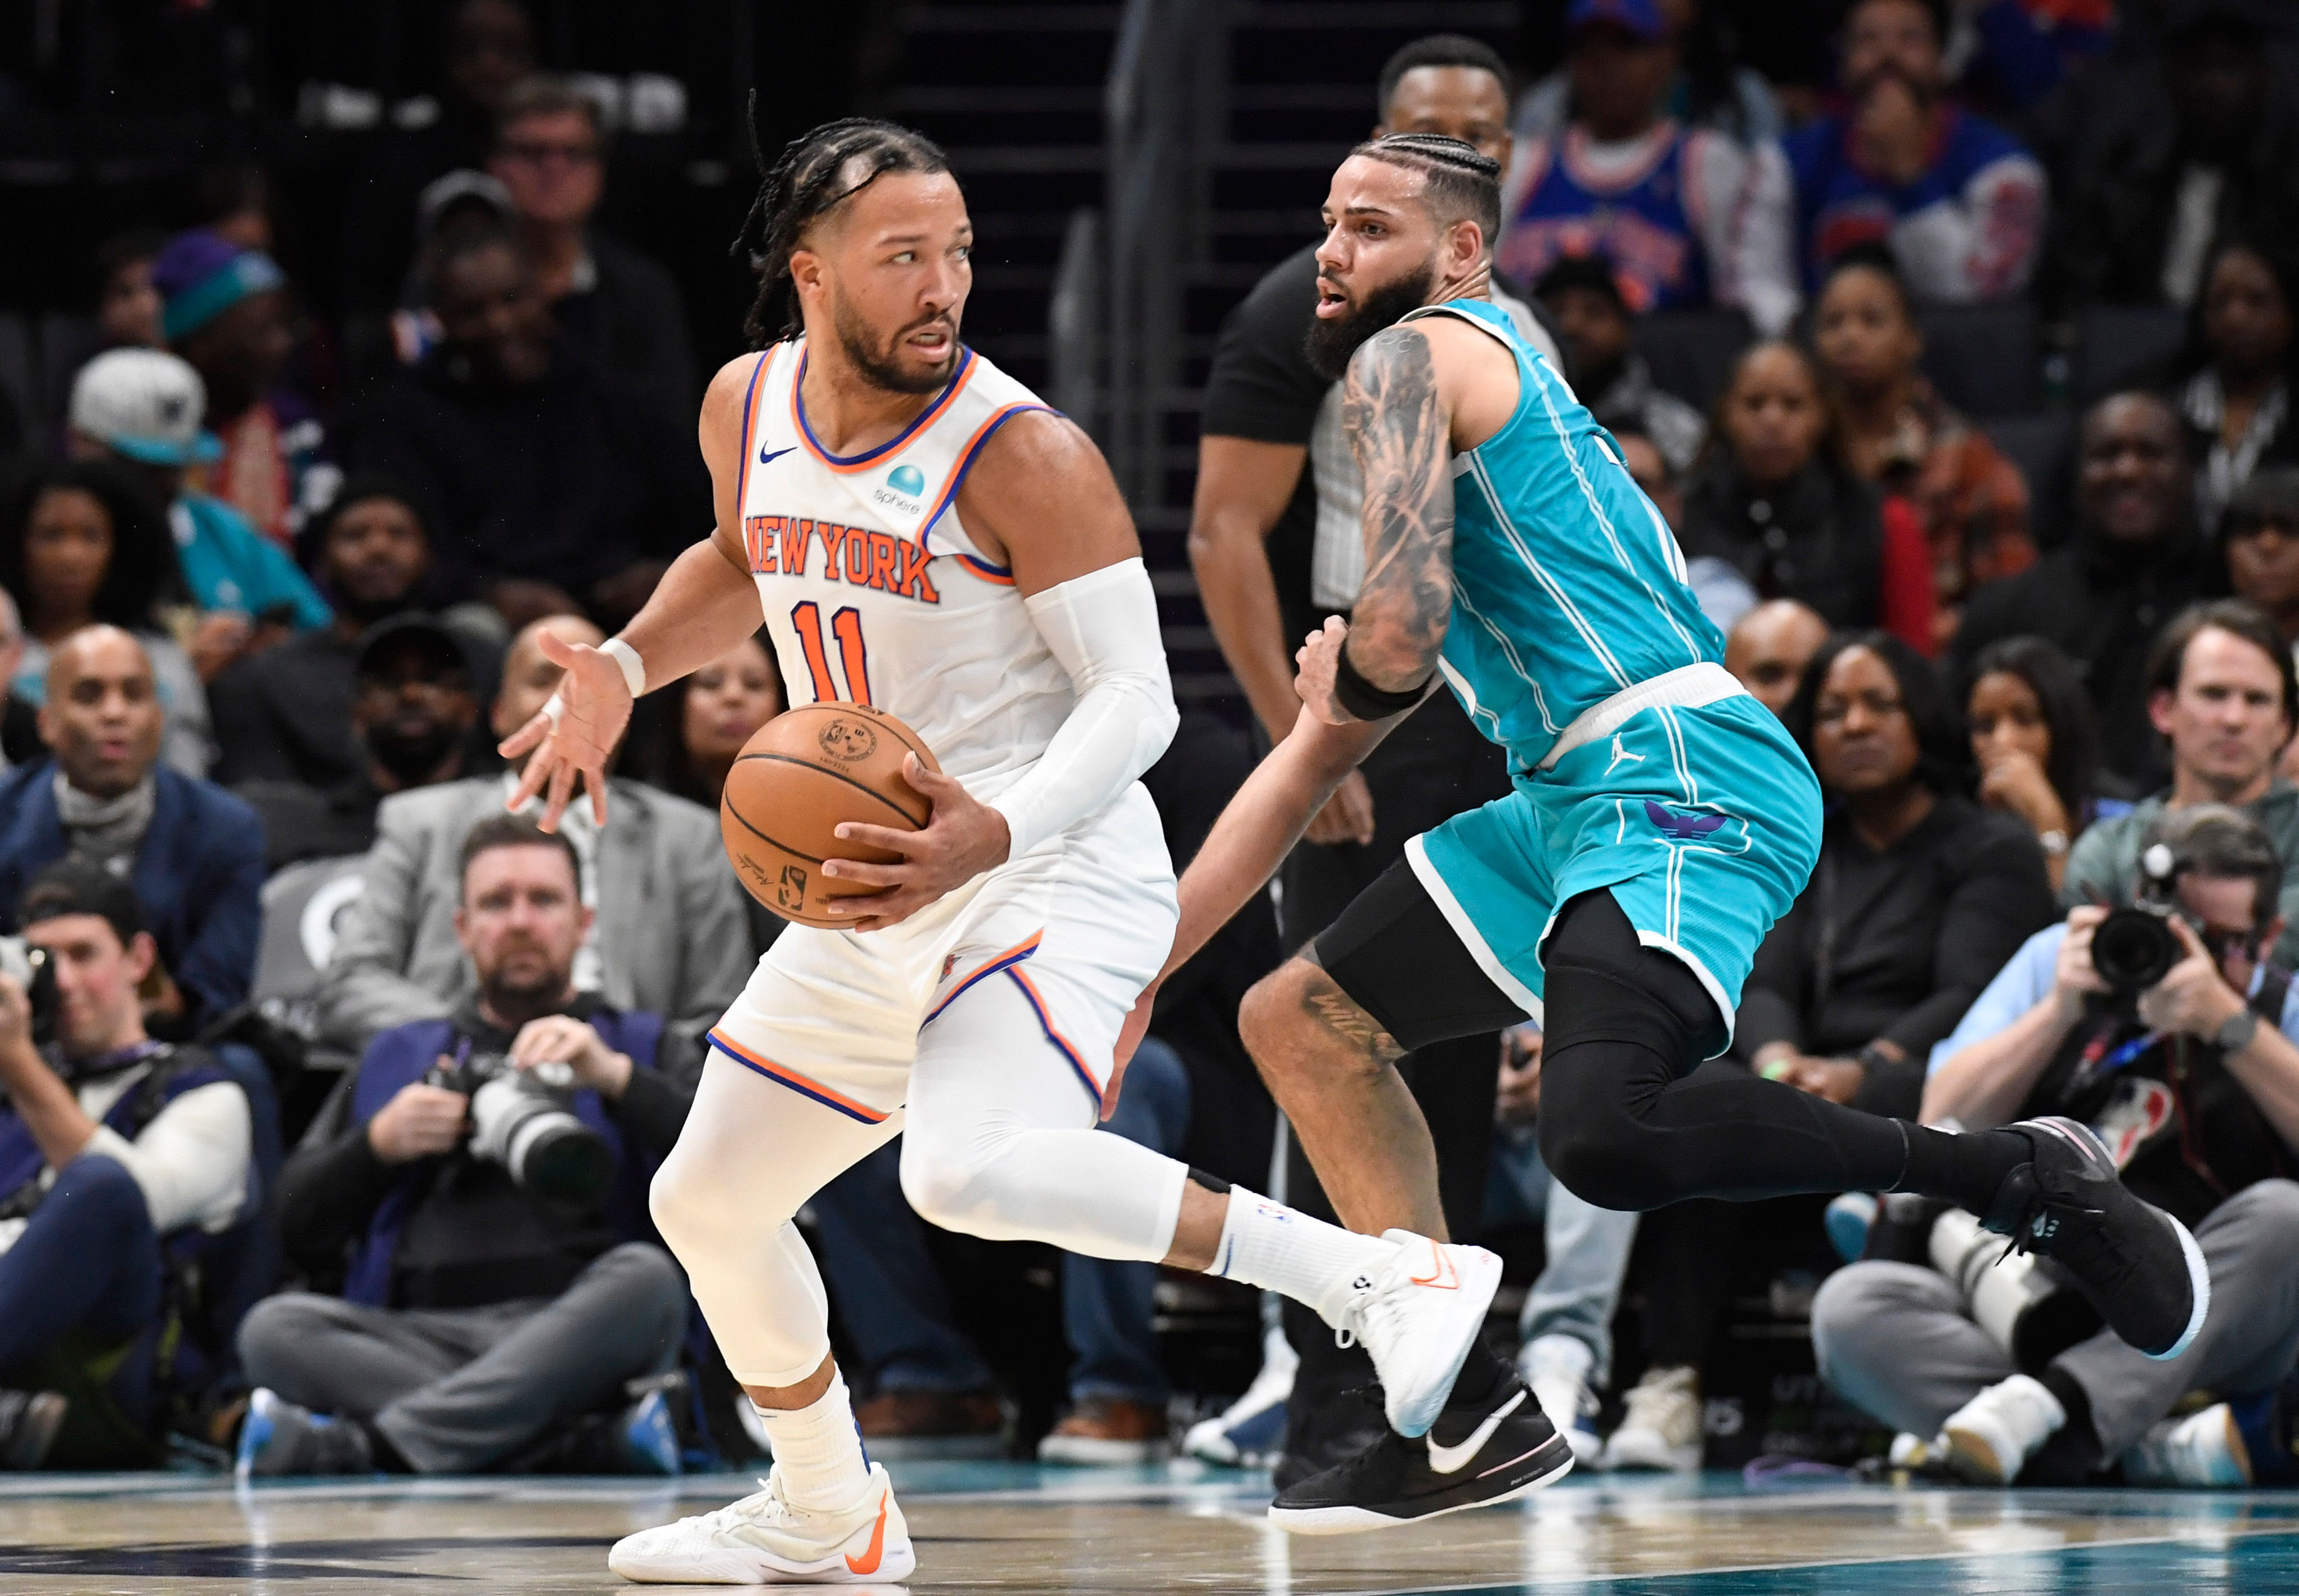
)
(1568, 586)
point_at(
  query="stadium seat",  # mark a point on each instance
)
(2120, 343)
(2042, 447)
(1691, 351)
(301, 906)
(1982, 358)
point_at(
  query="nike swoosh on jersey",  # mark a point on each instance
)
(767, 458)
(1452, 1459)
(868, 1563)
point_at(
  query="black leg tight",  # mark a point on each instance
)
(1626, 1126)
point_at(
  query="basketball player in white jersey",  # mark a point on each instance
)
(924, 535)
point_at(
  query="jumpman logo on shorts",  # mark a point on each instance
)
(1620, 753)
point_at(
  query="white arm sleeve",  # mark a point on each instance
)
(1103, 628)
(1743, 202)
(191, 1160)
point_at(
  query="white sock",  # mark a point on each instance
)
(1322, 1266)
(819, 1451)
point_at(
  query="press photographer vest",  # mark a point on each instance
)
(2185, 1134)
(171, 1072)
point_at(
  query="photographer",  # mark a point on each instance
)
(113, 1147)
(2169, 1035)
(505, 1282)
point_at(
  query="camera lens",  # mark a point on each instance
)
(2132, 949)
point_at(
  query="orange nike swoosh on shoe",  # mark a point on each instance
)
(1441, 1277)
(868, 1563)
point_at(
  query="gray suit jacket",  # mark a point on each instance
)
(670, 934)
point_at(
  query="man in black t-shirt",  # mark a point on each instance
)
(1276, 540)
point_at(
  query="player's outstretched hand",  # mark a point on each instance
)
(574, 734)
(962, 839)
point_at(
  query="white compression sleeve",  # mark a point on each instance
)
(1103, 628)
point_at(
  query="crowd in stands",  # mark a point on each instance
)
(351, 1083)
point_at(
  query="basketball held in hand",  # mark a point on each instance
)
(802, 776)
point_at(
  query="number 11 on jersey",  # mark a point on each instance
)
(846, 626)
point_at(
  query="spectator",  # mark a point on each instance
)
(1277, 544)
(1918, 897)
(411, 714)
(1650, 470)
(142, 408)
(2164, 156)
(1773, 500)
(1957, 200)
(1722, 593)
(2015, 51)
(714, 711)
(2232, 381)
(2133, 561)
(2221, 692)
(489, 1306)
(224, 310)
(1769, 648)
(2036, 743)
(285, 715)
(668, 936)
(1685, 216)
(1711, 89)
(490, 49)
(1564, 1331)
(564, 489)
(193, 853)
(127, 304)
(1970, 501)
(2197, 1113)
(121, 1159)
(613, 302)
(19, 718)
(84, 547)
(2261, 535)
(1611, 377)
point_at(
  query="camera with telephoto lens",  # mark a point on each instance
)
(2135, 947)
(525, 1120)
(33, 970)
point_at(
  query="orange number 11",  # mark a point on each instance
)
(846, 626)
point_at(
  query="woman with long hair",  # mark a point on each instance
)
(2036, 741)
(1773, 498)
(2231, 383)
(1970, 502)
(81, 545)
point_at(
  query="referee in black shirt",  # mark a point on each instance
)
(1277, 542)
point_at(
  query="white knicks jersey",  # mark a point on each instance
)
(873, 592)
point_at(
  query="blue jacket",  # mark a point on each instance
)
(404, 1053)
(198, 876)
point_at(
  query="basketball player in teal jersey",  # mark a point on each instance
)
(1662, 820)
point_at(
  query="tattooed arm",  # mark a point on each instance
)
(1399, 429)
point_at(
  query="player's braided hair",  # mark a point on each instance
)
(1459, 184)
(817, 172)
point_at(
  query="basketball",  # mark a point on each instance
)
(803, 774)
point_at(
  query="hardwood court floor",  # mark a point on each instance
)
(1000, 1527)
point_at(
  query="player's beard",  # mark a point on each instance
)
(1332, 340)
(883, 365)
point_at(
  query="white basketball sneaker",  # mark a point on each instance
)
(763, 1540)
(1417, 1317)
(1991, 1437)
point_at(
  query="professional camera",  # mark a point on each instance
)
(2135, 947)
(30, 968)
(524, 1120)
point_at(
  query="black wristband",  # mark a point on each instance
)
(1363, 699)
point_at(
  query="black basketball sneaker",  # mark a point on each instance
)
(1472, 1457)
(2136, 1265)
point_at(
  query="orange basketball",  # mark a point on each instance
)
(803, 774)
